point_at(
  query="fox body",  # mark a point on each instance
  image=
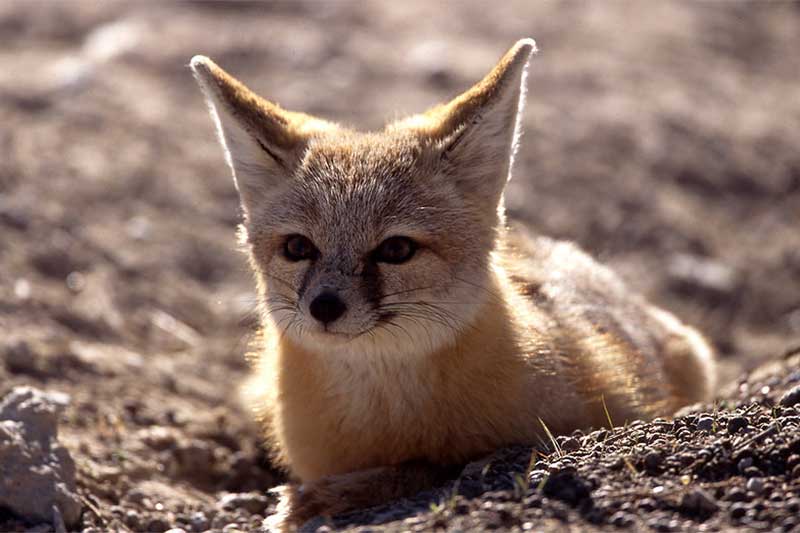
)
(403, 321)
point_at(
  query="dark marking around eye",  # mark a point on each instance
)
(299, 248)
(395, 250)
(372, 285)
(307, 277)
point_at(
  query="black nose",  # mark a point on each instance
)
(327, 307)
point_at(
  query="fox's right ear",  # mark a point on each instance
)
(263, 143)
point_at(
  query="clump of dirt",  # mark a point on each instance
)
(666, 146)
(38, 474)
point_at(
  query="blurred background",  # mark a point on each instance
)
(662, 137)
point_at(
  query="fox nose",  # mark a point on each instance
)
(327, 307)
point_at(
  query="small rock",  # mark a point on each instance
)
(621, 519)
(736, 494)
(755, 485)
(736, 423)
(647, 504)
(193, 457)
(159, 438)
(175, 530)
(20, 359)
(38, 472)
(738, 510)
(158, 525)
(199, 521)
(698, 502)
(791, 397)
(132, 520)
(14, 218)
(252, 502)
(706, 423)
(571, 444)
(744, 464)
(567, 487)
(693, 272)
(753, 472)
(653, 461)
(138, 496)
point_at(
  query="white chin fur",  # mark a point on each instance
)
(401, 338)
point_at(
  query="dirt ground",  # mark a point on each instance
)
(664, 138)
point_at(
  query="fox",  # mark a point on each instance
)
(406, 326)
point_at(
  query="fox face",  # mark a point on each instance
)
(362, 246)
(371, 242)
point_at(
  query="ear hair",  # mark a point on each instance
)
(476, 133)
(262, 142)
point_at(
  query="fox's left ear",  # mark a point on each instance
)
(476, 133)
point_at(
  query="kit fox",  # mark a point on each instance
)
(405, 327)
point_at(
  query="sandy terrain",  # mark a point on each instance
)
(663, 138)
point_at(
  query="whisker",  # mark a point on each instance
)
(282, 281)
(407, 291)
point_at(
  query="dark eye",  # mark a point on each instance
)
(299, 248)
(395, 250)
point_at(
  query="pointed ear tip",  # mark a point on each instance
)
(525, 47)
(201, 65)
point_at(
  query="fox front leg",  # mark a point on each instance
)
(339, 494)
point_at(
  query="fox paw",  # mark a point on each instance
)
(298, 504)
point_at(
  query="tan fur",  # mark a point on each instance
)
(482, 337)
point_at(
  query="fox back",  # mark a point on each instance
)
(402, 319)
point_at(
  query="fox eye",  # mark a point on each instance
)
(299, 248)
(395, 250)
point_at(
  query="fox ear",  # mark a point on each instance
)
(477, 132)
(263, 143)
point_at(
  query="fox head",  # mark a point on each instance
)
(372, 242)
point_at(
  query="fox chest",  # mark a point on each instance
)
(364, 420)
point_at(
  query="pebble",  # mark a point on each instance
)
(567, 487)
(706, 423)
(736, 423)
(653, 461)
(158, 525)
(199, 521)
(791, 397)
(571, 444)
(755, 485)
(753, 472)
(621, 519)
(737, 494)
(647, 504)
(744, 464)
(252, 502)
(698, 502)
(132, 520)
(738, 510)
